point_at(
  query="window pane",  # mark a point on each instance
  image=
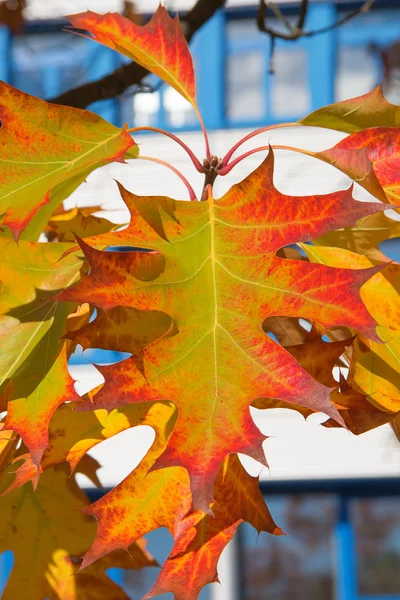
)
(377, 528)
(246, 71)
(290, 94)
(357, 72)
(179, 113)
(298, 566)
(145, 108)
(246, 99)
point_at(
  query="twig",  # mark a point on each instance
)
(297, 32)
(302, 14)
(121, 79)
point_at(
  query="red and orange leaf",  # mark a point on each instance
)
(56, 146)
(159, 46)
(372, 158)
(363, 112)
(201, 538)
(72, 433)
(216, 273)
(35, 395)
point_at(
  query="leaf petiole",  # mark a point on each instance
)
(197, 164)
(252, 134)
(227, 168)
(204, 130)
(191, 191)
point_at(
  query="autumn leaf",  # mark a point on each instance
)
(365, 237)
(8, 444)
(65, 224)
(363, 112)
(319, 357)
(52, 149)
(159, 46)
(93, 583)
(201, 538)
(34, 375)
(30, 273)
(358, 413)
(37, 526)
(375, 367)
(34, 396)
(72, 434)
(371, 158)
(217, 275)
(148, 499)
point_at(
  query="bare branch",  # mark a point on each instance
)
(302, 14)
(298, 32)
(124, 77)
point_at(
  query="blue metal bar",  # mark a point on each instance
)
(323, 52)
(6, 565)
(211, 89)
(51, 80)
(5, 54)
(345, 556)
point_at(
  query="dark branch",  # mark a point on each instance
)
(302, 14)
(294, 33)
(121, 79)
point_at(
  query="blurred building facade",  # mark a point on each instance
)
(343, 542)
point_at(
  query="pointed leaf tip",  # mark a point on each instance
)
(159, 46)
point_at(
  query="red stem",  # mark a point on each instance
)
(247, 137)
(192, 156)
(191, 191)
(225, 170)
(204, 130)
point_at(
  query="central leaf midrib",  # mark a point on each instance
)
(215, 305)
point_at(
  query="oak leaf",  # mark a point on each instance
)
(371, 158)
(159, 46)
(365, 237)
(33, 362)
(375, 367)
(214, 270)
(363, 112)
(201, 538)
(64, 225)
(37, 526)
(54, 149)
